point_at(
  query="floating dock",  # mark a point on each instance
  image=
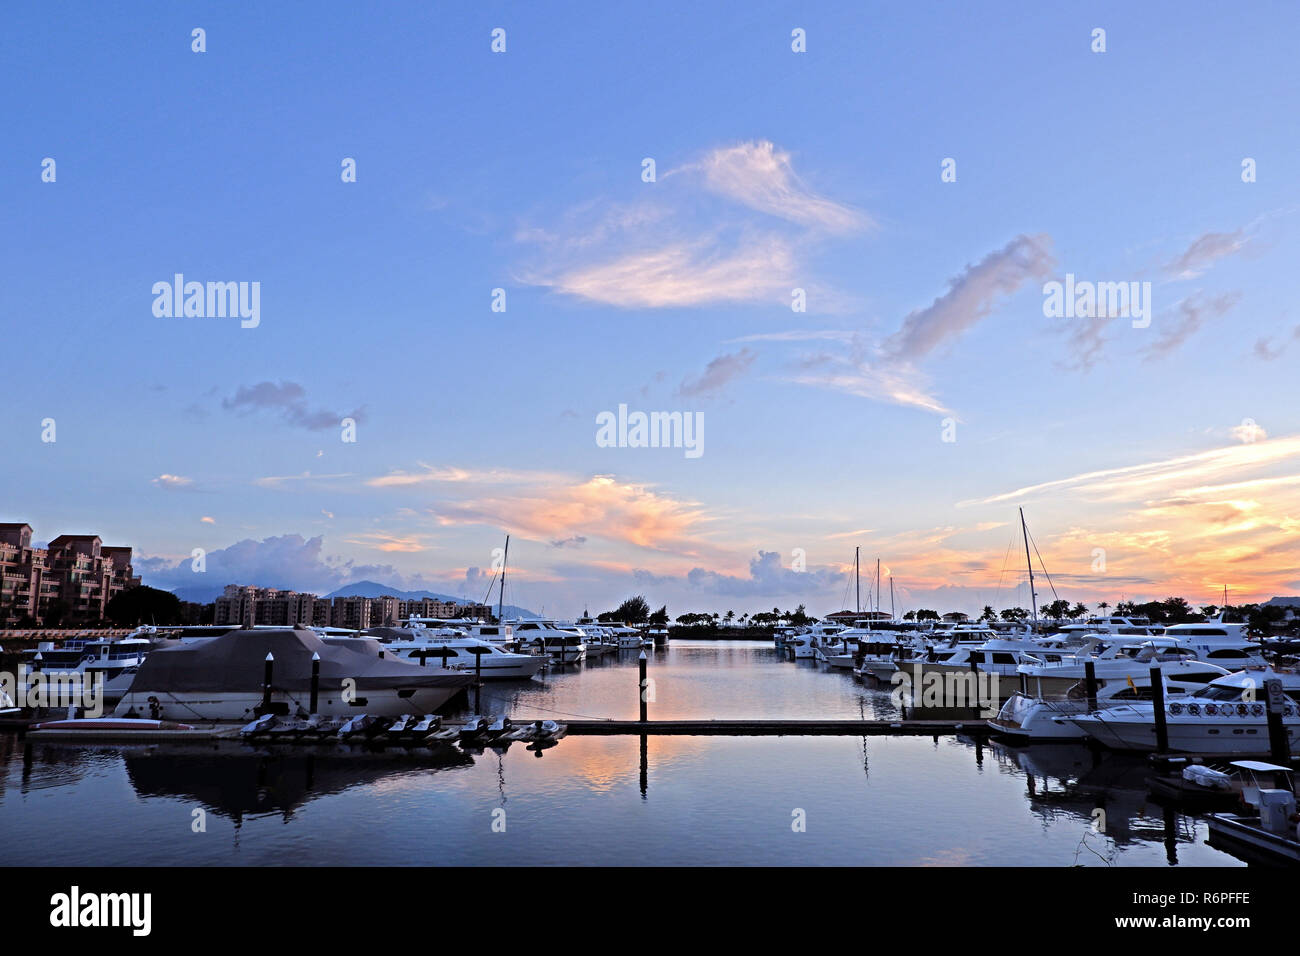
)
(775, 728)
(600, 728)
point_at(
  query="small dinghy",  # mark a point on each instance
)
(474, 727)
(499, 727)
(110, 723)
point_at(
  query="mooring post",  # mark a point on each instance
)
(266, 681)
(315, 680)
(478, 678)
(1158, 708)
(641, 665)
(1090, 682)
(1278, 745)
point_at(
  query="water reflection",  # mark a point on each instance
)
(272, 780)
(669, 800)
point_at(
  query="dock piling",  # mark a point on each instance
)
(315, 681)
(1090, 682)
(1278, 745)
(1158, 709)
(641, 666)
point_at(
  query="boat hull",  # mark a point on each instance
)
(235, 706)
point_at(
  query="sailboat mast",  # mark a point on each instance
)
(501, 600)
(1033, 597)
(891, 598)
(877, 585)
(857, 577)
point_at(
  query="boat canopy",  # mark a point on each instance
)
(236, 662)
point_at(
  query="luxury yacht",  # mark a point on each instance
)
(1030, 718)
(1226, 716)
(1220, 643)
(453, 648)
(546, 637)
(222, 679)
(1046, 676)
(79, 664)
(807, 645)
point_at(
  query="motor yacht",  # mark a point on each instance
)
(451, 647)
(545, 637)
(1226, 716)
(222, 679)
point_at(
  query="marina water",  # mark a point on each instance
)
(618, 800)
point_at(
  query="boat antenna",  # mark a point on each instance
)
(1033, 597)
(501, 600)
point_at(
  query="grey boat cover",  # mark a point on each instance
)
(236, 662)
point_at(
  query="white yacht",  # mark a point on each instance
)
(222, 678)
(1219, 642)
(76, 666)
(451, 647)
(1048, 675)
(546, 637)
(1226, 716)
(807, 645)
(1030, 718)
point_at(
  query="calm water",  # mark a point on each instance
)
(603, 800)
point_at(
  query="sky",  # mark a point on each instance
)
(920, 173)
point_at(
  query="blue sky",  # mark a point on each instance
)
(775, 169)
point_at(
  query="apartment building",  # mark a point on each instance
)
(69, 581)
(249, 605)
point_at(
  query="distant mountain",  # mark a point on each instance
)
(198, 595)
(1283, 602)
(374, 589)
(206, 595)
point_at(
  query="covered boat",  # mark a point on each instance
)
(223, 679)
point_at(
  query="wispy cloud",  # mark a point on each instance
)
(601, 506)
(799, 335)
(971, 296)
(273, 481)
(289, 399)
(384, 541)
(1187, 318)
(718, 374)
(684, 248)
(433, 474)
(1178, 474)
(685, 274)
(761, 176)
(1205, 251)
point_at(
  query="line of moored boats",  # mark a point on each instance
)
(1213, 676)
